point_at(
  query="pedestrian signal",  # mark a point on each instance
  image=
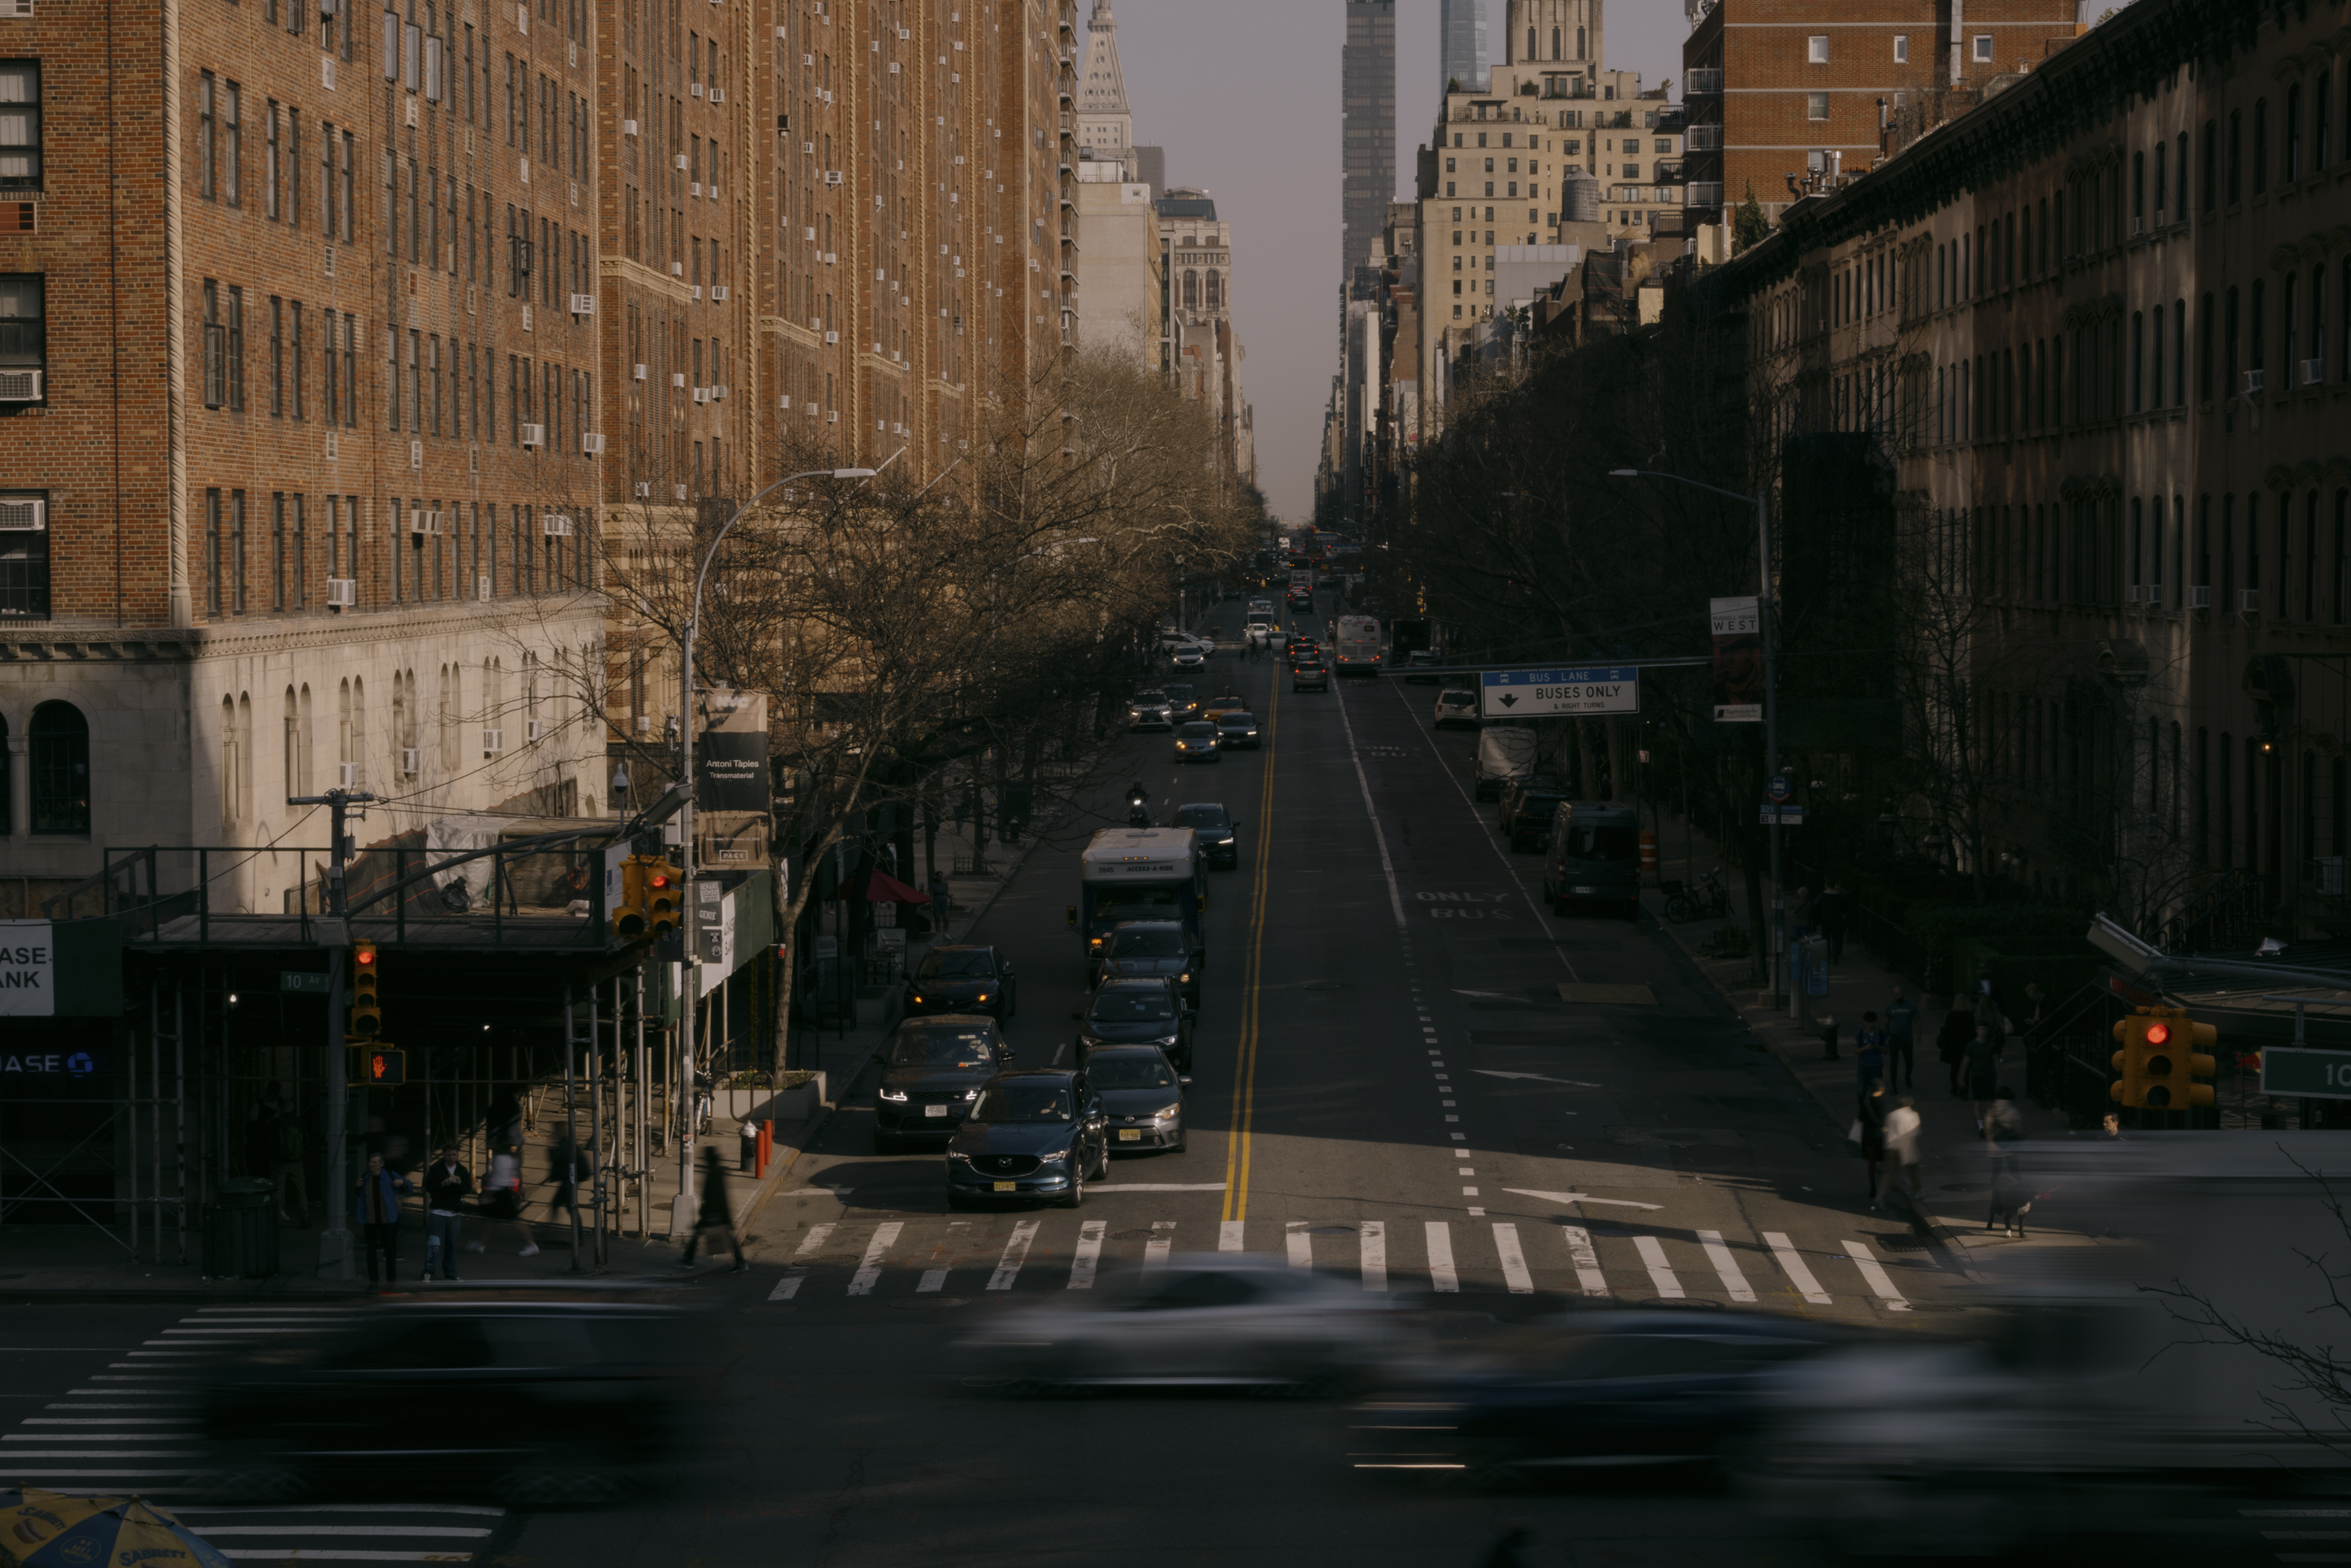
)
(383, 1067)
(366, 1018)
(2158, 1060)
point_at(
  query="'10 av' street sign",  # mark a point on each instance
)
(1544, 693)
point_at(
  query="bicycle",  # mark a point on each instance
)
(1707, 901)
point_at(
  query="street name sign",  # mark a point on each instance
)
(1547, 694)
(301, 980)
(2306, 1074)
(1786, 816)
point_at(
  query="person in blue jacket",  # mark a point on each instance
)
(376, 1207)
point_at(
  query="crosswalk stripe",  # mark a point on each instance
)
(1661, 1273)
(1163, 1240)
(1441, 1276)
(1374, 1237)
(1874, 1273)
(869, 1274)
(1718, 1254)
(1089, 1254)
(935, 1279)
(1792, 1261)
(788, 1286)
(814, 1240)
(1580, 1252)
(1228, 1235)
(1514, 1262)
(1300, 1245)
(1016, 1253)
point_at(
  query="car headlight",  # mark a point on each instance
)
(971, 1093)
(1096, 941)
(1166, 1042)
(1165, 1113)
(958, 1155)
(1185, 979)
(918, 1001)
(1053, 1159)
(982, 997)
(895, 1096)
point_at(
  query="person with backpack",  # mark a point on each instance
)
(289, 1154)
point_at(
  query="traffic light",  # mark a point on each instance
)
(366, 1021)
(384, 1067)
(663, 893)
(2158, 1060)
(629, 918)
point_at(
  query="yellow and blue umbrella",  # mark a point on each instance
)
(47, 1529)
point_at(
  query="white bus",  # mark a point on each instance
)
(1356, 645)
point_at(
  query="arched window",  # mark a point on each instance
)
(59, 757)
(292, 725)
(1192, 290)
(1216, 291)
(229, 762)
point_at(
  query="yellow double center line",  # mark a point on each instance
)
(1236, 1150)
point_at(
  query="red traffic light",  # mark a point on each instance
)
(364, 956)
(2156, 1033)
(660, 880)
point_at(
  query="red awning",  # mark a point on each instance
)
(887, 889)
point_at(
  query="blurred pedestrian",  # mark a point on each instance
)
(1980, 1071)
(288, 1157)
(1870, 1120)
(503, 1122)
(1868, 1054)
(568, 1162)
(1902, 1126)
(1833, 912)
(446, 1184)
(501, 1203)
(378, 1211)
(1901, 1041)
(717, 1214)
(1508, 1550)
(1828, 1037)
(2003, 1130)
(1951, 1040)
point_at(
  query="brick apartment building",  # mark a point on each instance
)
(1779, 90)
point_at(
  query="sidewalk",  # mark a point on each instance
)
(1953, 1173)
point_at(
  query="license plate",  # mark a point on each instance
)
(1130, 1134)
(935, 1110)
(1008, 1186)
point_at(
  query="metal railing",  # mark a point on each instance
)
(1705, 81)
(1704, 138)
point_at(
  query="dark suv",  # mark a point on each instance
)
(1214, 829)
(1310, 675)
(931, 1073)
(1037, 1133)
(1155, 947)
(958, 980)
(1528, 827)
(1141, 1010)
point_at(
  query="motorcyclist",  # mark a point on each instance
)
(1138, 806)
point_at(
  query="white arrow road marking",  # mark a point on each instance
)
(1579, 1197)
(1536, 1078)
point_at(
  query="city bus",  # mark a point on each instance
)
(1357, 646)
(1137, 873)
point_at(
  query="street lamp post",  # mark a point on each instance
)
(684, 1208)
(1771, 703)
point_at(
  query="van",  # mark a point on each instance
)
(1594, 858)
(1503, 752)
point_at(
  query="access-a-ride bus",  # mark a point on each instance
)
(1138, 873)
(1356, 643)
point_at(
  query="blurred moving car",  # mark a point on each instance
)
(1504, 752)
(1216, 831)
(1198, 742)
(1310, 675)
(1155, 948)
(1456, 709)
(1033, 1134)
(1148, 710)
(1242, 1320)
(538, 1403)
(1237, 727)
(1141, 1010)
(1141, 1096)
(956, 978)
(1594, 1389)
(931, 1070)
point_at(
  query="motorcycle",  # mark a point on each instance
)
(1138, 809)
(1707, 901)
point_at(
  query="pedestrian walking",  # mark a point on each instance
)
(501, 1203)
(1902, 1126)
(717, 1214)
(1980, 1071)
(289, 1154)
(1951, 1040)
(1828, 1037)
(2003, 1130)
(503, 1122)
(568, 1162)
(1868, 1054)
(378, 1208)
(446, 1184)
(1833, 912)
(1901, 1043)
(1869, 1122)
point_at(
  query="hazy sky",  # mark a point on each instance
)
(1244, 95)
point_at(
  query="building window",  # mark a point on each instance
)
(207, 136)
(59, 756)
(1816, 106)
(1816, 49)
(20, 125)
(232, 141)
(236, 349)
(1984, 48)
(216, 349)
(1901, 48)
(23, 557)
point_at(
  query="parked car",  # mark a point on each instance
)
(1214, 830)
(931, 1070)
(1456, 710)
(1504, 752)
(1593, 857)
(1513, 788)
(1237, 726)
(1313, 676)
(1148, 710)
(1528, 827)
(1032, 1133)
(958, 978)
(1198, 742)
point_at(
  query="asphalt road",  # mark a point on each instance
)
(1390, 1086)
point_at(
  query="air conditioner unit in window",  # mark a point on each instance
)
(681, 160)
(583, 305)
(644, 724)
(701, 394)
(718, 394)
(2252, 383)
(833, 176)
(531, 731)
(694, 90)
(492, 742)
(628, 127)
(555, 524)
(410, 761)
(697, 293)
(592, 446)
(679, 491)
(347, 775)
(534, 435)
(342, 593)
(424, 522)
(24, 515)
(677, 378)
(2138, 225)
(718, 95)
(482, 589)
(644, 490)
(2248, 602)
(2313, 371)
(640, 372)
(2200, 599)
(717, 292)
(785, 401)
(20, 386)
(677, 269)
(696, 189)
(833, 337)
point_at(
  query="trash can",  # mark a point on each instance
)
(241, 1231)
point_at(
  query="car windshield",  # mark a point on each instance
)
(1147, 945)
(1239, 719)
(949, 965)
(1198, 731)
(1178, 694)
(936, 1047)
(1134, 1007)
(1208, 816)
(1459, 699)
(1137, 903)
(1129, 1070)
(1600, 842)
(1146, 697)
(1539, 802)
(1020, 1102)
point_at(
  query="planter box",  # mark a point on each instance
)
(782, 1105)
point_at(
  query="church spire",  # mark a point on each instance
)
(1102, 90)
